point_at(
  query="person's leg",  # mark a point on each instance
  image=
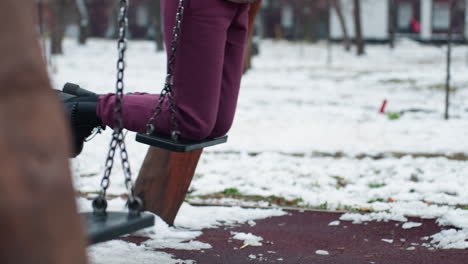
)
(198, 72)
(138, 108)
(232, 71)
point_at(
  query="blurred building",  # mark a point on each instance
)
(424, 20)
(290, 19)
(293, 19)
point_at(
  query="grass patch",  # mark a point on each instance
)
(93, 194)
(456, 206)
(88, 175)
(393, 115)
(414, 178)
(376, 200)
(376, 185)
(340, 182)
(281, 201)
(231, 192)
(398, 81)
(234, 193)
(441, 86)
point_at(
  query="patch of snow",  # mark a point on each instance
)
(188, 225)
(382, 216)
(451, 239)
(390, 241)
(409, 225)
(120, 252)
(248, 238)
(322, 252)
(326, 112)
(334, 223)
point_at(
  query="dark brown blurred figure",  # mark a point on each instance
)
(38, 219)
(65, 12)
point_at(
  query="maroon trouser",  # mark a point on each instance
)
(208, 70)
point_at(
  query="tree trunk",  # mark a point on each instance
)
(155, 10)
(449, 61)
(39, 221)
(336, 5)
(329, 38)
(58, 26)
(269, 19)
(83, 21)
(358, 27)
(249, 50)
(392, 23)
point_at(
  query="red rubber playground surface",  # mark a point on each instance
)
(295, 238)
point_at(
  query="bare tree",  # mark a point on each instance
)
(358, 28)
(392, 23)
(64, 12)
(449, 60)
(156, 23)
(337, 6)
(58, 26)
(329, 37)
(83, 20)
(250, 51)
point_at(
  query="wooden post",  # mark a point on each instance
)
(165, 176)
(164, 180)
(39, 221)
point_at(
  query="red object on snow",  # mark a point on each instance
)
(382, 108)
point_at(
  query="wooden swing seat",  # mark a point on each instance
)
(183, 145)
(114, 225)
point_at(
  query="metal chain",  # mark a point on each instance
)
(135, 204)
(169, 83)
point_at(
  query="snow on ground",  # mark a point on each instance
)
(322, 252)
(249, 239)
(188, 226)
(310, 131)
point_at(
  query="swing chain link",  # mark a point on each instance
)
(134, 203)
(169, 82)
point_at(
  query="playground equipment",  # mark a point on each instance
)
(103, 225)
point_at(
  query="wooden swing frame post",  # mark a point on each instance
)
(165, 176)
(38, 222)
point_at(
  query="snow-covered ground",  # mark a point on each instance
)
(305, 130)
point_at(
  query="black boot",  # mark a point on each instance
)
(75, 89)
(81, 111)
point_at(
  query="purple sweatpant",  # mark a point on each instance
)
(208, 70)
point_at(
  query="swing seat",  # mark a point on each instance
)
(114, 225)
(183, 145)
